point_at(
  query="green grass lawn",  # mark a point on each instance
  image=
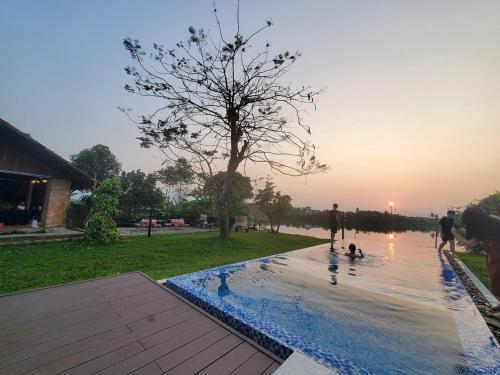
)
(39, 265)
(477, 264)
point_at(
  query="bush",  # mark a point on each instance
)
(102, 226)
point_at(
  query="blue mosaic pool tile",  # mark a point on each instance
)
(230, 317)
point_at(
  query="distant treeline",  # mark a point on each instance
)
(365, 221)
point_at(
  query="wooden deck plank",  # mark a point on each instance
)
(176, 310)
(118, 325)
(194, 347)
(89, 328)
(271, 369)
(33, 336)
(256, 364)
(158, 351)
(59, 338)
(64, 296)
(206, 357)
(106, 360)
(64, 352)
(16, 303)
(194, 321)
(65, 319)
(58, 364)
(231, 360)
(23, 347)
(151, 369)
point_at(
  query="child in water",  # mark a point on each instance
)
(352, 252)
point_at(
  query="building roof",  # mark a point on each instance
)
(64, 168)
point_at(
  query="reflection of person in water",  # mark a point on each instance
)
(333, 267)
(352, 252)
(223, 289)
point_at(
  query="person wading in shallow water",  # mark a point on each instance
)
(334, 224)
(446, 226)
(481, 227)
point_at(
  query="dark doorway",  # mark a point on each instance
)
(21, 198)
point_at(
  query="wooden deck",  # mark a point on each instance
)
(119, 325)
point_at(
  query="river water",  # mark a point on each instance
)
(413, 238)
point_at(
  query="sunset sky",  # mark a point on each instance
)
(411, 111)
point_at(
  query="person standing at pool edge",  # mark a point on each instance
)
(334, 224)
(446, 225)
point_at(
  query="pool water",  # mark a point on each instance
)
(401, 309)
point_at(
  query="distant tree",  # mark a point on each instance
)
(239, 192)
(366, 221)
(176, 177)
(140, 194)
(101, 227)
(222, 105)
(203, 201)
(98, 162)
(275, 205)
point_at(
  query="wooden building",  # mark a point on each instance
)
(34, 181)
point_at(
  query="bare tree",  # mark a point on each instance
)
(223, 105)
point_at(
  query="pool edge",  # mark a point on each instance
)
(274, 346)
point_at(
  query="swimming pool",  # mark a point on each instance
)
(401, 309)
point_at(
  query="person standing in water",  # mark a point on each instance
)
(446, 227)
(334, 224)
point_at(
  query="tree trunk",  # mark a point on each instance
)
(150, 220)
(222, 210)
(236, 156)
(223, 218)
(271, 223)
(278, 223)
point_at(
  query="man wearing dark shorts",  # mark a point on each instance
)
(446, 225)
(334, 224)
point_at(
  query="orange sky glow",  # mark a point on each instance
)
(410, 113)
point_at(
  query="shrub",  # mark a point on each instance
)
(101, 227)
